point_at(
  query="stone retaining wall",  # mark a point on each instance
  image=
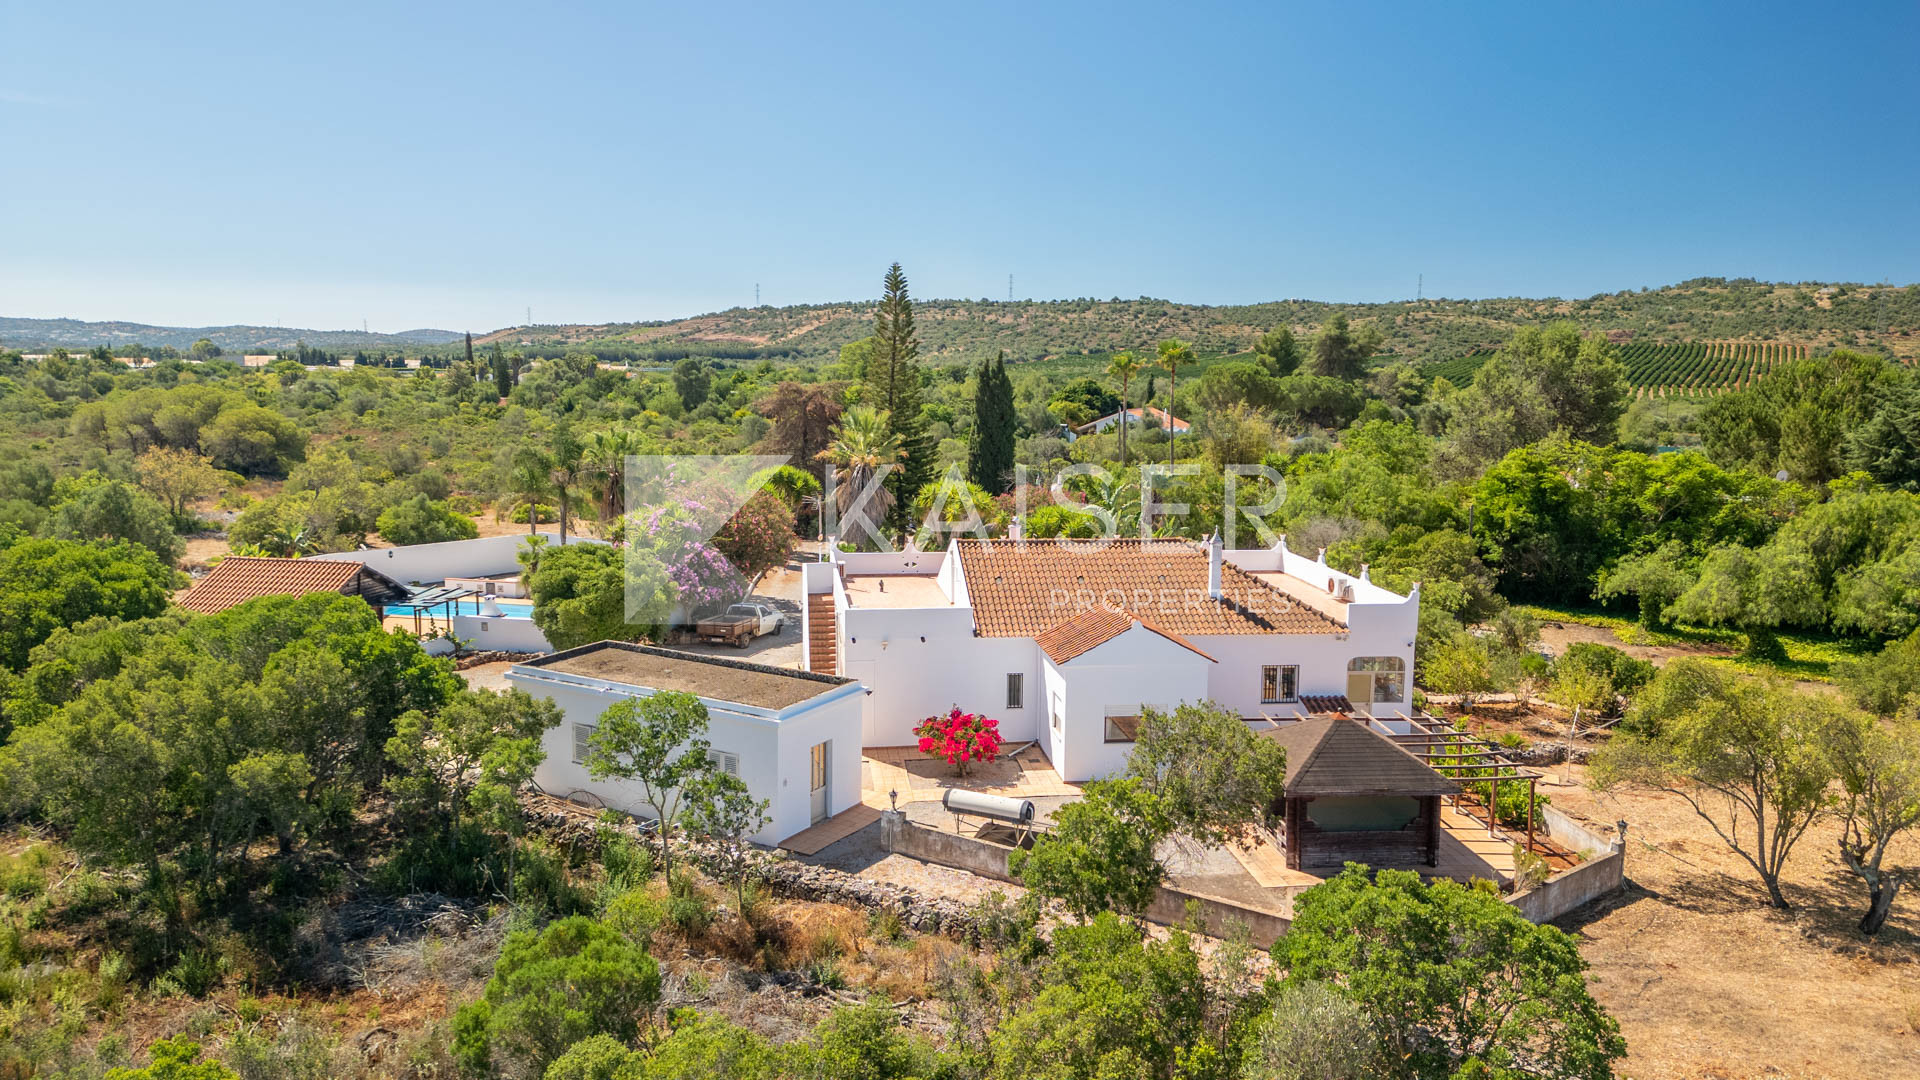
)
(1170, 906)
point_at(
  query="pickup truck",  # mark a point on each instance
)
(740, 624)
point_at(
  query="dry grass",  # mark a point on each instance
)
(1707, 981)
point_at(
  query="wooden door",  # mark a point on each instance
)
(817, 781)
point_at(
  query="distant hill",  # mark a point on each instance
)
(1428, 331)
(72, 333)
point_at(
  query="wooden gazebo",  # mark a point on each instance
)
(1352, 794)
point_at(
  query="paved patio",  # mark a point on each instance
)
(917, 778)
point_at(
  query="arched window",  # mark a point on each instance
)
(1376, 679)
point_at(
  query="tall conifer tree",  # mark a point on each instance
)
(893, 377)
(990, 456)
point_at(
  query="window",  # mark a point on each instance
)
(1279, 683)
(1122, 729)
(1016, 690)
(581, 733)
(725, 762)
(1384, 676)
(1056, 712)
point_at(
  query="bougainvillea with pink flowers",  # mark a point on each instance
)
(959, 738)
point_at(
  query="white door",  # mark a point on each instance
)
(817, 779)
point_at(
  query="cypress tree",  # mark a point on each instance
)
(990, 456)
(893, 376)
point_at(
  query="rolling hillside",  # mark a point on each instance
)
(74, 334)
(1429, 331)
(1688, 369)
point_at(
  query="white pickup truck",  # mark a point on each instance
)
(741, 624)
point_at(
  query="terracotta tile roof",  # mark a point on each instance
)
(1026, 589)
(1332, 756)
(1326, 703)
(240, 578)
(1091, 629)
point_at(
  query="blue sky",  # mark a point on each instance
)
(449, 166)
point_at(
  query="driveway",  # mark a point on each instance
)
(781, 590)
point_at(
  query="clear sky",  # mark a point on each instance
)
(449, 166)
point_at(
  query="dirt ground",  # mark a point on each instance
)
(1707, 981)
(1556, 636)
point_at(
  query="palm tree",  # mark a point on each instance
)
(566, 466)
(1123, 365)
(606, 458)
(532, 478)
(862, 443)
(290, 540)
(1173, 353)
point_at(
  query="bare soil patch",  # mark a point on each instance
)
(1707, 981)
(1556, 636)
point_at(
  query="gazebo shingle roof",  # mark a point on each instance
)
(1025, 589)
(1334, 756)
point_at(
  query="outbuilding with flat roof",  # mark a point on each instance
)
(792, 736)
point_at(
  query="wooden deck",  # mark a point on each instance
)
(816, 838)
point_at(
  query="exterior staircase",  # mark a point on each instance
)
(823, 638)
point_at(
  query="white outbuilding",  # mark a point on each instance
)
(792, 736)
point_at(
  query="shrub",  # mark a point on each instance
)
(959, 738)
(421, 520)
(553, 988)
(175, 1059)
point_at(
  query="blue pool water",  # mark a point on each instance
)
(466, 605)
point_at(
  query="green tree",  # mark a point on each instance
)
(551, 989)
(1878, 766)
(176, 477)
(579, 596)
(693, 382)
(49, 584)
(658, 741)
(1278, 352)
(1455, 981)
(990, 451)
(1100, 854)
(1313, 1032)
(720, 808)
(1113, 1005)
(532, 479)
(251, 439)
(1754, 590)
(1211, 774)
(1543, 381)
(864, 1042)
(893, 382)
(1745, 755)
(115, 511)
(455, 762)
(1341, 352)
(421, 520)
(1887, 446)
(567, 465)
(1655, 579)
(1459, 665)
(1887, 684)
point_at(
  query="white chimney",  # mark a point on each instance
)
(1215, 556)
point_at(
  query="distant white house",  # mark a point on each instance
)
(1063, 642)
(792, 737)
(1138, 418)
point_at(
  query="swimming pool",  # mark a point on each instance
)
(465, 605)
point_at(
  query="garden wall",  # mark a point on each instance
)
(1169, 906)
(1603, 872)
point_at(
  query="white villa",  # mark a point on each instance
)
(1136, 418)
(1064, 641)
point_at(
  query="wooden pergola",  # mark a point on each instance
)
(1466, 756)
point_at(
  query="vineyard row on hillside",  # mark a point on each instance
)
(1692, 369)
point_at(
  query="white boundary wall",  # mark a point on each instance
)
(421, 564)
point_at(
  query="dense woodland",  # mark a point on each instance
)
(198, 801)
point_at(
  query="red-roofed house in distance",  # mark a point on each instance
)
(1064, 642)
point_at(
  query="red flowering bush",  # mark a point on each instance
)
(959, 737)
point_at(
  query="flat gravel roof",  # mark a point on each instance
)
(709, 677)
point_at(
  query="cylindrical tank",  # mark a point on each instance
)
(1000, 807)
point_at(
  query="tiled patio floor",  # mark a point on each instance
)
(918, 778)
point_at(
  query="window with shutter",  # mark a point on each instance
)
(725, 762)
(581, 733)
